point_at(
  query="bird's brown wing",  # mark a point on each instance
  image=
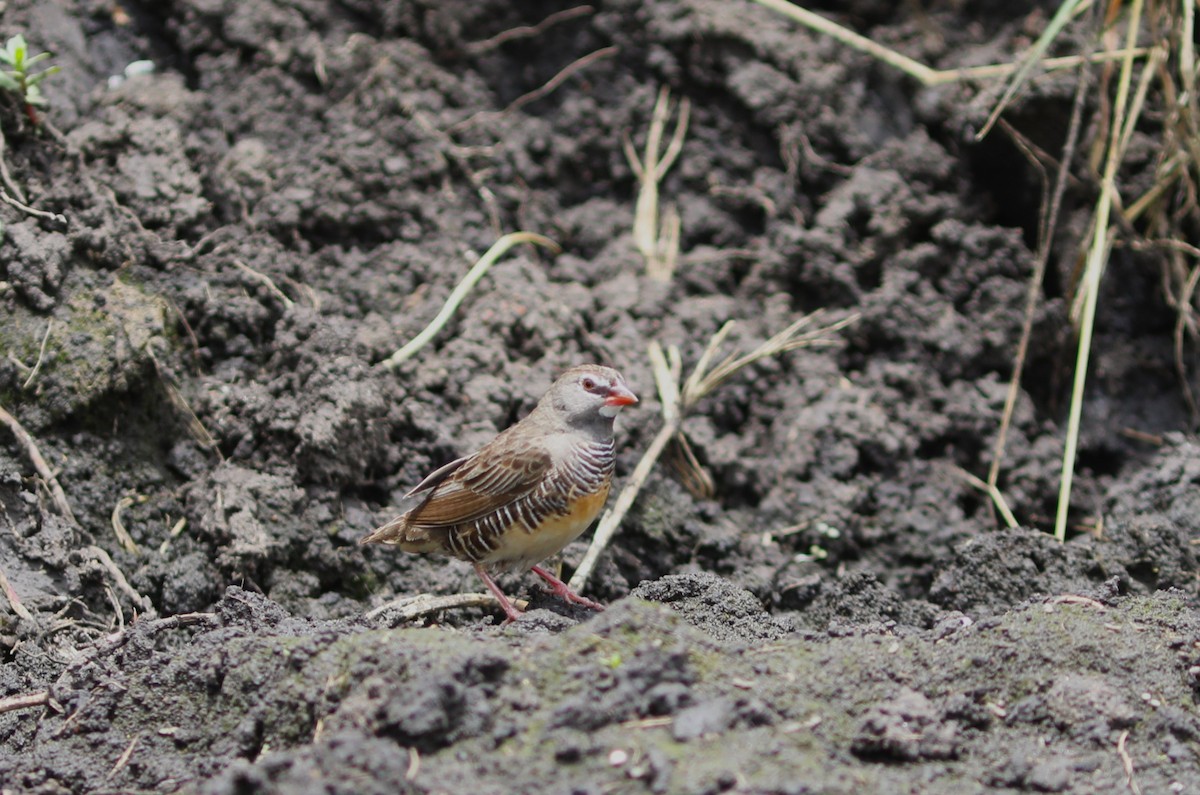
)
(500, 473)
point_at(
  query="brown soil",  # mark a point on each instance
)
(245, 235)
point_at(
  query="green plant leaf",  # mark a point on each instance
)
(33, 80)
(7, 82)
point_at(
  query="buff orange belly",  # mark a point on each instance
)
(522, 548)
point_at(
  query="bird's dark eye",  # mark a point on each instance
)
(588, 384)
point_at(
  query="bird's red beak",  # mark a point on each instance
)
(620, 395)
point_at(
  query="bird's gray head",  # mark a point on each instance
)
(588, 395)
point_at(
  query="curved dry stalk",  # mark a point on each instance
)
(122, 533)
(477, 271)
(39, 464)
(410, 608)
(678, 401)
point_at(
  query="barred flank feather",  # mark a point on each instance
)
(585, 473)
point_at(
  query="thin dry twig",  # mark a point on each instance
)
(124, 758)
(410, 608)
(543, 90)
(15, 196)
(477, 271)
(60, 220)
(527, 31)
(39, 464)
(25, 701)
(661, 251)
(677, 401)
(1127, 763)
(116, 640)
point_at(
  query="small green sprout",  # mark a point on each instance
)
(18, 79)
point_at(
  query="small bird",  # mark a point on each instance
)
(527, 493)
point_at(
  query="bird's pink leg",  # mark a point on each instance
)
(509, 608)
(560, 589)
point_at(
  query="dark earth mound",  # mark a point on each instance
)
(226, 249)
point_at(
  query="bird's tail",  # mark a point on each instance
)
(389, 533)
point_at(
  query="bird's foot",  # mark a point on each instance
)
(560, 588)
(510, 610)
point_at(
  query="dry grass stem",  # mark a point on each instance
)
(1047, 223)
(994, 493)
(266, 281)
(1066, 12)
(410, 608)
(919, 71)
(139, 601)
(477, 271)
(176, 529)
(1096, 259)
(124, 758)
(659, 249)
(677, 401)
(37, 366)
(39, 464)
(194, 425)
(126, 540)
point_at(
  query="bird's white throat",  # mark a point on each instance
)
(610, 411)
